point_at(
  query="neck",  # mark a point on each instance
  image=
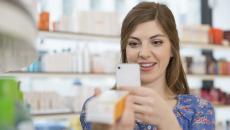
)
(161, 87)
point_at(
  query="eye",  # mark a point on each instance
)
(133, 44)
(157, 42)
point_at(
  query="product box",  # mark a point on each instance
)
(60, 62)
(107, 107)
(93, 22)
(195, 34)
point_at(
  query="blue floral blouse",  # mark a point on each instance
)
(192, 112)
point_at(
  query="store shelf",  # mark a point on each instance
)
(222, 107)
(69, 115)
(78, 36)
(55, 115)
(204, 46)
(99, 37)
(86, 75)
(209, 77)
(57, 74)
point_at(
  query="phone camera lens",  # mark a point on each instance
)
(119, 67)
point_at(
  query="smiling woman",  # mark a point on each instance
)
(149, 38)
(164, 25)
(145, 46)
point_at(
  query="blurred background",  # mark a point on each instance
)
(78, 48)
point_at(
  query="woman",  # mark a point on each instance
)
(149, 37)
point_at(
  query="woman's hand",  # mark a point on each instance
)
(127, 120)
(150, 108)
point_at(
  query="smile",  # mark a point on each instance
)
(147, 66)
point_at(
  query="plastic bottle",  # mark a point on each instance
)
(86, 60)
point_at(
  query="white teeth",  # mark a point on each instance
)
(146, 65)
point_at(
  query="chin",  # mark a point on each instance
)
(147, 80)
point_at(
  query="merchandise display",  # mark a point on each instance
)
(81, 60)
(54, 58)
(206, 65)
(213, 94)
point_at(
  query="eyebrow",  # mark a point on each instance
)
(152, 37)
(158, 35)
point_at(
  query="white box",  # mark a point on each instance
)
(107, 107)
(105, 23)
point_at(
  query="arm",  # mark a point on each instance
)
(85, 125)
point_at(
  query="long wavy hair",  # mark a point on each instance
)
(148, 11)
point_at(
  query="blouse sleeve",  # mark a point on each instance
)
(204, 118)
(85, 125)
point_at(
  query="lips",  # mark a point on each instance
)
(147, 66)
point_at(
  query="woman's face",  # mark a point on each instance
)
(150, 47)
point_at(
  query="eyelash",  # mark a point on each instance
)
(157, 43)
(133, 44)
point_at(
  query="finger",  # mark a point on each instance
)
(97, 91)
(98, 126)
(129, 103)
(141, 91)
(129, 110)
(128, 107)
(142, 117)
(143, 100)
(127, 119)
(141, 109)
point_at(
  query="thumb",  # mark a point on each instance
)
(97, 91)
(127, 118)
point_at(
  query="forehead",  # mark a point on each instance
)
(149, 28)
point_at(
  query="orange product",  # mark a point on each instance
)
(228, 66)
(216, 35)
(43, 23)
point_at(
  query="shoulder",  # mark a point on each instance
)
(193, 102)
(199, 112)
(193, 106)
(85, 125)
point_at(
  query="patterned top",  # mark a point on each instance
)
(192, 112)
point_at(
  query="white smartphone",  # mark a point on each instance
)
(128, 75)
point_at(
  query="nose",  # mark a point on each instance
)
(144, 51)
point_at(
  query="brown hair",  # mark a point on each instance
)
(147, 11)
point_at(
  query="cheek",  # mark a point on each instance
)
(131, 55)
(164, 57)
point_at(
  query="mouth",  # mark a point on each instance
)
(147, 66)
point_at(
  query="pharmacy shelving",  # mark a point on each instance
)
(222, 107)
(204, 46)
(95, 75)
(208, 77)
(96, 37)
(55, 115)
(57, 74)
(69, 115)
(77, 36)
